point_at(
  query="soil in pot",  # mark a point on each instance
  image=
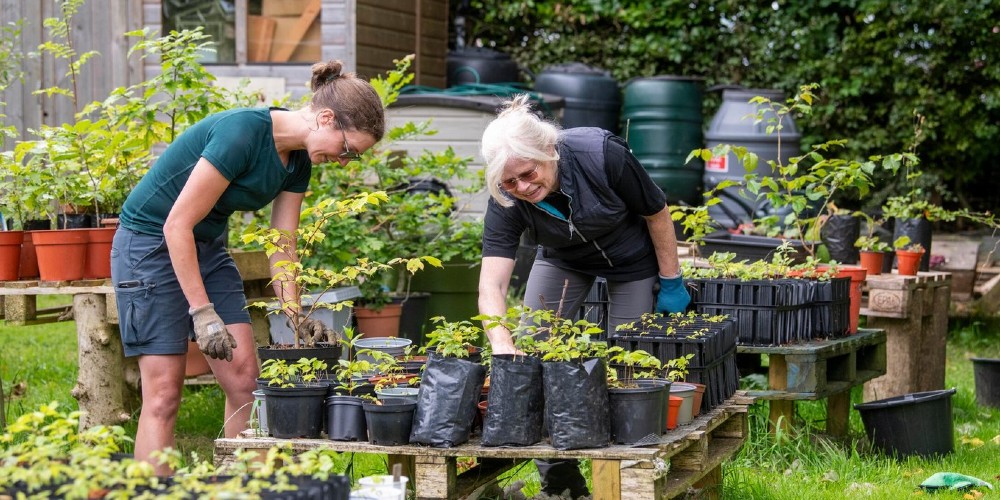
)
(987, 374)
(345, 419)
(389, 423)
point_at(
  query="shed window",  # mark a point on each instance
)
(274, 31)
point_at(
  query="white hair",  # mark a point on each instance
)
(517, 132)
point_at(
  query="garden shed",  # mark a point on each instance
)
(271, 42)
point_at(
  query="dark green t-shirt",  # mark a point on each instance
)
(239, 143)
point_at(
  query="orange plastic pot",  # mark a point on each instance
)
(699, 394)
(10, 254)
(62, 253)
(99, 253)
(381, 323)
(872, 262)
(857, 275)
(673, 410)
(908, 263)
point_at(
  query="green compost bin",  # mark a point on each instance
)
(662, 121)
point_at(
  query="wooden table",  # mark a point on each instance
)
(819, 369)
(107, 382)
(689, 456)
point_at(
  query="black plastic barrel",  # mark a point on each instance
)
(662, 121)
(480, 65)
(734, 124)
(912, 424)
(987, 375)
(592, 95)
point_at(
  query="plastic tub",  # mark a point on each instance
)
(281, 333)
(912, 424)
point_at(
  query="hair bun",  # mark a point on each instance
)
(323, 73)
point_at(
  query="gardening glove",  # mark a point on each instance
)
(673, 297)
(313, 330)
(211, 334)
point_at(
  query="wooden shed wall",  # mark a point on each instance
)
(99, 26)
(389, 29)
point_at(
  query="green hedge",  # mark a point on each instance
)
(878, 63)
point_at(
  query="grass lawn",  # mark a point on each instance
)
(38, 365)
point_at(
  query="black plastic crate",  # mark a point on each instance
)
(767, 325)
(730, 291)
(595, 307)
(721, 380)
(676, 336)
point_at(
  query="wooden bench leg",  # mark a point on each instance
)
(838, 409)
(781, 414)
(435, 477)
(607, 479)
(781, 411)
(18, 309)
(711, 484)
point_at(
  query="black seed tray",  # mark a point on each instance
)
(767, 325)
(721, 380)
(776, 292)
(706, 340)
(831, 319)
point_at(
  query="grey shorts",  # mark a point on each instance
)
(152, 310)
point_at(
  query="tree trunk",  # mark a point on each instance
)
(106, 382)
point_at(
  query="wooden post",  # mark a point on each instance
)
(607, 479)
(101, 386)
(711, 484)
(435, 476)
(838, 410)
(409, 467)
(781, 410)
(934, 326)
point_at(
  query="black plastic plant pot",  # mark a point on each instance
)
(345, 419)
(390, 423)
(636, 413)
(912, 424)
(515, 409)
(294, 412)
(664, 399)
(446, 405)
(576, 403)
(987, 374)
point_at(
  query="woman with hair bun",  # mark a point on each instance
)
(594, 212)
(174, 279)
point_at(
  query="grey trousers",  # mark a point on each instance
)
(628, 301)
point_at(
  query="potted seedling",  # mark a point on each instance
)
(450, 386)
(294, 397)
(515, 405)
(636, 401)
(908, 255)
(871, 247)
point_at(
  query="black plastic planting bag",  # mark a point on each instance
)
(514, 414)
(576, 403)
(839, 234)
(449, 392)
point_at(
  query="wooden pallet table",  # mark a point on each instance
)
(816, 370)
(690, 456)
(913, 311)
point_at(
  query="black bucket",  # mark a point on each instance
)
(987, 373)
(912, 424)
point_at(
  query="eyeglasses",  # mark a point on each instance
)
(347, 154)
(511, 184)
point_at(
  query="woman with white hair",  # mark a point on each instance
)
(594, 212)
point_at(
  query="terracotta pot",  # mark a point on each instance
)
(382, 323)
(62, 253)
(872, 262)
(673, 410)
(99, 253)
(699, 394)
(857, 275)
(10, 254)
(29, 260)
(908, 263)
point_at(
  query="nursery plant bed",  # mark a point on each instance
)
(694, 452)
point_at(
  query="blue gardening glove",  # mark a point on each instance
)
(673, 297)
